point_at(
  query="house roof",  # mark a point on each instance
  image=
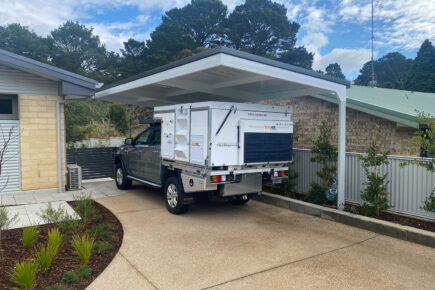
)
(395, 105)
(70, 83)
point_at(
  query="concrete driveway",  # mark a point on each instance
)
(256, 246)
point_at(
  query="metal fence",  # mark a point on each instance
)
(95, 162)
(408, 185)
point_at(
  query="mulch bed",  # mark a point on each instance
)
(65, 260)
(386, 216)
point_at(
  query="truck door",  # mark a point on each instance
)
(152, 157)
(136, 165)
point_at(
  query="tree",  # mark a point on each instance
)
(20, 40)
(77, 49)
(133, 59)
(390, 71)
(298, 56)
(375, 194)
(334, 70)
(118, 117)
(326, 154)
(421, 77)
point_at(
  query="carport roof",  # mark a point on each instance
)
(219, 74)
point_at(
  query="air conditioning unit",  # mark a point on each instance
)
(74, 177)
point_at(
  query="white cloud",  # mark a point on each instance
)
(399, 24)
(350, 60)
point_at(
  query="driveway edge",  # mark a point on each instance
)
(397, 231)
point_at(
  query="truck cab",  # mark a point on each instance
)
(224, 150)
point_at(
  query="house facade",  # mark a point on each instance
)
(394, 111)
(32, 99)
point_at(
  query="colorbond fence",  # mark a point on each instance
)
(408, 185)
(95, 162)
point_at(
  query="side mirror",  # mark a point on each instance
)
(128, 141)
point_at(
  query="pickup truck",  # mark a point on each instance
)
(224, 150)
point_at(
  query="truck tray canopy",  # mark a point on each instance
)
(229, 75)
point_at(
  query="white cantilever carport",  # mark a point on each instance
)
(224, 74)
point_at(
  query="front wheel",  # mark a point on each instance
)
(174, 196)
(122, 182)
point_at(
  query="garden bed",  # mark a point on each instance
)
(385, 215)
(65, 260)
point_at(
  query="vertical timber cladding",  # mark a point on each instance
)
(10, 179)
(39, 142)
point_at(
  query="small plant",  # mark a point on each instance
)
(54, 240)
(84, 207)
(44, 258)
(83, 246)
(55, 287)
(51, 215)
(429, 202)
(70, 277)
(103, 247)
(95, 230)
(5, 222)
(326, 154)
(83, 271)
(69, 225)
(23, 274)
(29, 236)
(375, 194)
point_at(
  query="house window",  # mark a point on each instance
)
(8, 107)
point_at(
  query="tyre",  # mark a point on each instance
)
(174, 196)
(240, 201)
(122, 182)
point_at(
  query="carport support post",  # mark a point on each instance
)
(341, 149)
(59, 146)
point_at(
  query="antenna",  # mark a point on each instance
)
(373, 83)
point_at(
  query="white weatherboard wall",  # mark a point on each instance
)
(408, 185)
(10, 179)
(13, 81)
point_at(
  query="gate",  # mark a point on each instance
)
(95, 162)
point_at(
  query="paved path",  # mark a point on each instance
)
(257, 246)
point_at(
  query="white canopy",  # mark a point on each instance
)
(224, 74)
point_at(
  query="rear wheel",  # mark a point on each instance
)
(174, 196)
(122, 182)
(240, 201)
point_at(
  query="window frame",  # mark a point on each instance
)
(14, 115)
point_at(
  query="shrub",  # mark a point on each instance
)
(83, 271)
(70, 277)
(84, 207)
(375, 195)
(286, 187)
(69, 225)
(83, 246)
(97, 229)
(55, 287)
(44, 258)
(51, 215)
(429, 202)
(5, 222)
(54, 240)
(103, 247)
(326, 154)
(29, 236)
(23, 274)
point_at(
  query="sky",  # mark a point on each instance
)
(335, 30)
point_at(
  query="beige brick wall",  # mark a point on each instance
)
(309, 112)
(38, 142)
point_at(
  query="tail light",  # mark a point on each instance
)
(218, 178)
(279, 173)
